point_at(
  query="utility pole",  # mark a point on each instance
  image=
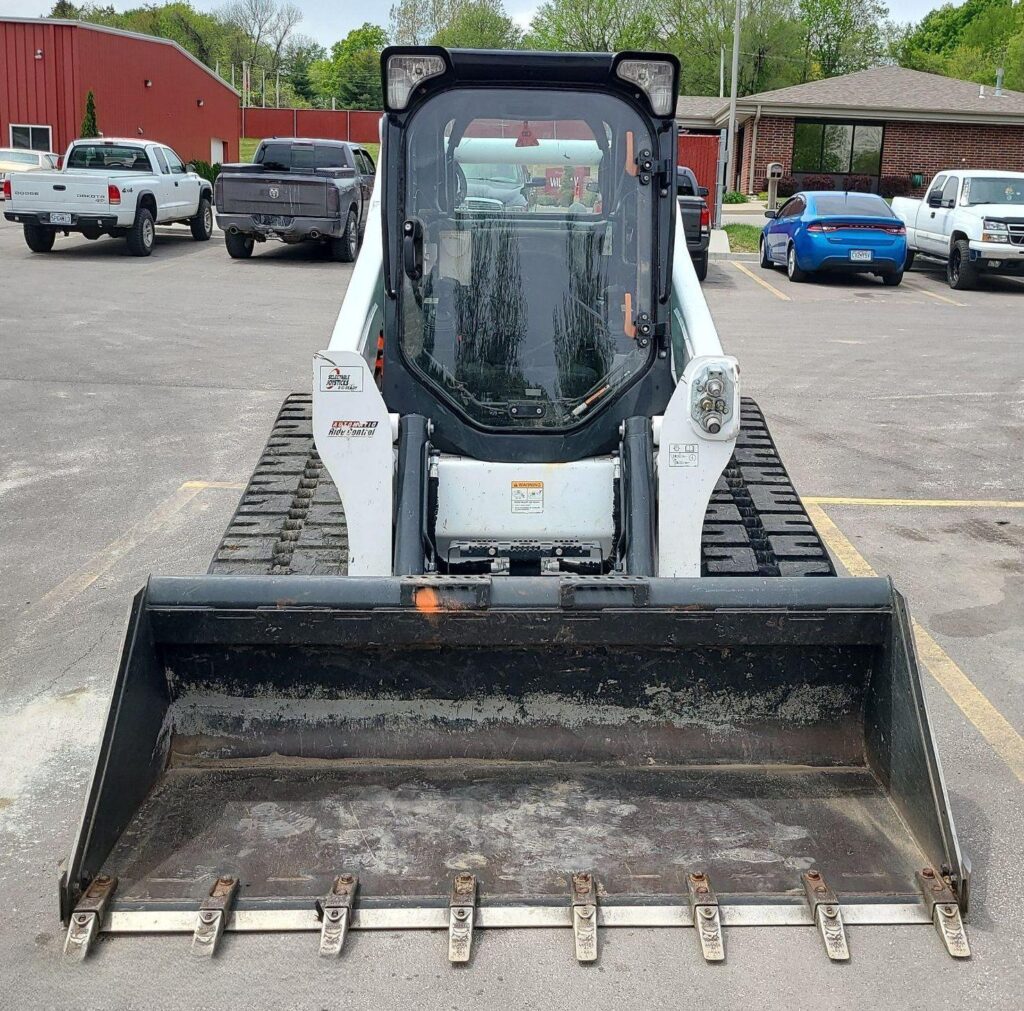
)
(721, 73)
(245, 83)
(277, 103)
(264, 87)
(731, 164)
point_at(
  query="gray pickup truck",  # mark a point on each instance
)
(696, 218)
(296, 190)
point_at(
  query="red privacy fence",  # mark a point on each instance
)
(344, 124)
(699, 152)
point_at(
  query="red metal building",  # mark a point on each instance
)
(143, 86)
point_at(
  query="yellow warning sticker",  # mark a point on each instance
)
(527, 496)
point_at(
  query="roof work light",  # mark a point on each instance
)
(405, 73)
(654, 78)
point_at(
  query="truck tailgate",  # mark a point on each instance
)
(268, 193)
(58, 191)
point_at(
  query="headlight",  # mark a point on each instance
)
(406, 73)
(994, 231)
(653, 78)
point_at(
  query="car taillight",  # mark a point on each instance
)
(113, 194)
(820, 226)
(705, 216)
(333, 199)
(900, 229)
(7, 189)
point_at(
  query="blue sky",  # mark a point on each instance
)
(329, 20)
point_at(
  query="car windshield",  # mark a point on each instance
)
(285, 157)
(854, 205)
(19, 157)
(109, 158)
(994, 190)
(525, 312)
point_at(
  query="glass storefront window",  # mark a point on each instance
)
(837, 148)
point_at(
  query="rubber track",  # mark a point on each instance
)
(290, 519)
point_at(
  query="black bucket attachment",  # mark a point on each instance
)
(316, 753)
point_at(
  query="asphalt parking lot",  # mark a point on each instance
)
(135, 396)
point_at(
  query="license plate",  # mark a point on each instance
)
(60, 218)
(861, 255)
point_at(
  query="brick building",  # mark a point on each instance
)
(886, 121)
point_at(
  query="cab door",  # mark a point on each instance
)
(932, 215)
(185, 192)
(164, 190)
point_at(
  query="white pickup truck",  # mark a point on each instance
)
(122, 188)
(971, 219)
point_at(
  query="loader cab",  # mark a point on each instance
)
(528, 223)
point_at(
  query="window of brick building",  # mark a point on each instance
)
(837, 148)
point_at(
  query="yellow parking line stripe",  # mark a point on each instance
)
(78, 582)
(970, 699)
(761, 281)
(936, 295)
(924, 503)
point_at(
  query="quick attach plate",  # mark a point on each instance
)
(87, 918)
(827, 915)
(944, 911)
(707, 917)
(335, 910)
(213, 915)
(461, 910)
(584, 915)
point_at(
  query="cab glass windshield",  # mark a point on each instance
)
(109, 158)
(1001, 190)
(529, 238)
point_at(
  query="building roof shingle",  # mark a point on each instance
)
(883, 91)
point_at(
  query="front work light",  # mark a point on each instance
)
(406, 73)
(654, 78)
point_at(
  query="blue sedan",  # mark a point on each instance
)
(828, 231)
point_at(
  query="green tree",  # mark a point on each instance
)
(89, 127)
(64, 9)
(842, 36)
(479, 26)
(351, 74)
(593, 26)
(418, 22)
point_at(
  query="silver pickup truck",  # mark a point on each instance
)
(296, 190)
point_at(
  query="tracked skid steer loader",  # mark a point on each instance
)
(519, 622)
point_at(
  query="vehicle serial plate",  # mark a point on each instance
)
(60, 218)
(860, 254)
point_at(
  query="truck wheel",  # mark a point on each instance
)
(701, 266)
(960, 272)
(38, 238)
(345, 248)
(793, 271)
(202, 223)
(766, 260)
(142, 233)
(239, 246)
(909, 262)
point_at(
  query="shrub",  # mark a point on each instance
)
(734, 197)
(787, 186)
(206, 170)
(894, 186)
(858, 184)
(89, 127)
(818, 182)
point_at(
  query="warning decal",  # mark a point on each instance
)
(683, 454)
(527, 496)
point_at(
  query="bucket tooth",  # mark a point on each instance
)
(945, 912)
(87, 917)
(707, 916)
(461, 911)
(213, 915)
(827, 915)
(584, 915)
(335, 911)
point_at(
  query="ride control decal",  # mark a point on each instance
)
(348, 379)
(351, 429)
(683, 454)
(527, 496)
